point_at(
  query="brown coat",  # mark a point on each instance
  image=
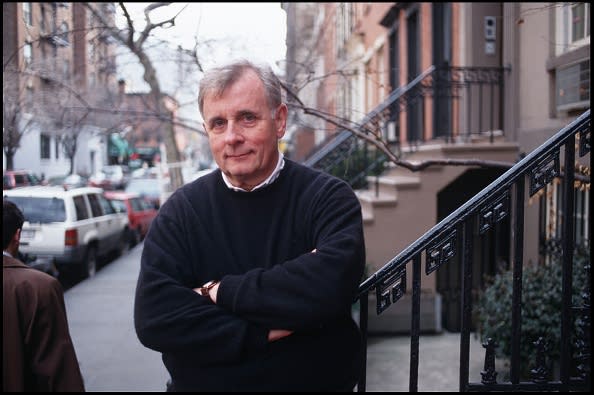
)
(37, 351)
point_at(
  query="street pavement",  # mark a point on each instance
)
(100, 315)
(101, 321)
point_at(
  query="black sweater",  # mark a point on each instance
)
(259, 245)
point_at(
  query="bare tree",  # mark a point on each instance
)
(15, 120)
(135, 41)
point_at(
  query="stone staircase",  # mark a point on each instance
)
(400, 206)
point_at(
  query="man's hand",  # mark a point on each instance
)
(276, 334)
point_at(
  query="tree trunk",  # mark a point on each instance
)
(9, 161)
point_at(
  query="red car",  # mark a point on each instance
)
(140, 212)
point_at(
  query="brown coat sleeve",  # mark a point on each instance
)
(38, 350)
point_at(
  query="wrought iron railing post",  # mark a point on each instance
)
(568, 247)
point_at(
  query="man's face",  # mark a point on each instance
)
(242, 133)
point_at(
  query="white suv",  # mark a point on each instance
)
(72, 227)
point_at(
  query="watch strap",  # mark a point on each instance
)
(203, 290)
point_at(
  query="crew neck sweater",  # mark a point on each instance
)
(259, 245)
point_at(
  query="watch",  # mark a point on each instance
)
(203, 290)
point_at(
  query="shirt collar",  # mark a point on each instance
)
(271, 178)
(6, 253)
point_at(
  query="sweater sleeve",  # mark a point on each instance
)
(316, 287)
(168, 315)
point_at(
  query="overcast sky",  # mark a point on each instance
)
(253, 30)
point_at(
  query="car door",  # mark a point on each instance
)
(102, 223)
(83, 220)
(115, 220)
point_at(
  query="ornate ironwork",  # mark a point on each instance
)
(585, 136)
(540, 373)
(440, 244)
(390, 289)
(493, 212)
(544, 172)
(440, 252)
(489, 375)
(583, 324)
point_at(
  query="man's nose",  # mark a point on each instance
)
(234, 132)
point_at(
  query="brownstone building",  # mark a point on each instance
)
(488, 81)
(56, 53)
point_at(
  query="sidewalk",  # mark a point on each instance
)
(100, 315)
(388, 362)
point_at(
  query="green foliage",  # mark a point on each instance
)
(358, 161)
(541, 306)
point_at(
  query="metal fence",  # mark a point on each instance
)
(452, 238)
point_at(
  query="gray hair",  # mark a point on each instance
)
(217, 80)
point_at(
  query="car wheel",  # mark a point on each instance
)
(125, 242)
(89, 266)
(135, 237)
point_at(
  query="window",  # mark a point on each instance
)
(66, 69)
(573, 86)
(572, 27)
(27, 16)
(42, 19)
(136, 204)
(57, 146)
(95, 205)
(28, 53)
(119, 205)
(45, 146)
(41, 210)
(29, 97)
(580, 21)
(64, 32)
(20, 179)
(81, 207)
(107, 207)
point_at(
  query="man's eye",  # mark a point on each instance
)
(248, 119)
(217, 124)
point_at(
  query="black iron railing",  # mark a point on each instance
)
(452, 238)
(465, 99)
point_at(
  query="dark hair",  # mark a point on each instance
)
(218, 79)
(12, 220)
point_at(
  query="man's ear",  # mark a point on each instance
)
(280, 120)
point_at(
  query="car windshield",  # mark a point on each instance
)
(119, 205)
(40, 210)
(110, 171)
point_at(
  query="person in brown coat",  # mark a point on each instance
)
(37, 351)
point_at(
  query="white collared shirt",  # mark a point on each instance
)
(279, 166)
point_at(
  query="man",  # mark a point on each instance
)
(248, 274)
(37, 353)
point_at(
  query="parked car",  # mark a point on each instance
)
(146, 172)
(19, 178)
(149, 188)
(140, 212)
(69, 181)
(71, 227)
(111, 177)
(75, 181)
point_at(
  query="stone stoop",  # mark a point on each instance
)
(387, 206)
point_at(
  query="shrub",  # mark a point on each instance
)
(541, 307)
